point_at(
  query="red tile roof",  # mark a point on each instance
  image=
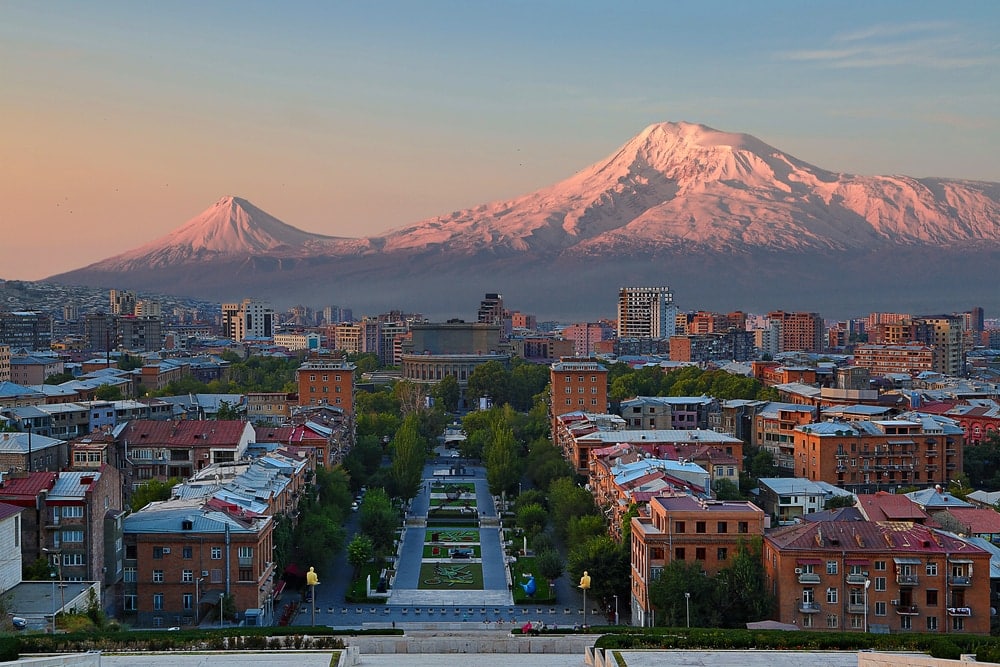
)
(867, 536)
(884, 506)
(23, 488)
(185, 433)
(978, 520)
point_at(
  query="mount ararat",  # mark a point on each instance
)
(724, 219)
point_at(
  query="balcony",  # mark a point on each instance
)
(907, 609)
(907, 579)
(960, 611)
(245, 562)
(959, 581)
(809, 607)
(856, 579)
(808, 578)
(855, 607)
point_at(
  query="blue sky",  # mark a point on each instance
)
(124, 119)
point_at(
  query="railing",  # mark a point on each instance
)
(809, 607)
(906, 609)
(857, 579)
(855, 607)
(959, 611)
(907, 579)
(245, 562)
(960, 581)
(808, 578)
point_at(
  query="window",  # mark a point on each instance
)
(880, 566)
(216, 553)
(932, 623)
(880, 583)
(699, 553)
(246, 574)
(187, 552)
(130, 602)
(129, 575)
(72, 512)
(699, 526)
(722, 527)
(157, 601)
(74, 559)
(723, 554)
(808, 596)
(312, 377)
(188, 601)
(679, 553)
(932, 598)
(743, 527)
(336, 378)
(957, 623)
(679, 526)
(931, 569)
(157, 576)
(245, 552)
(216, 576)
(831, 595)
(831, 621)
(807, 621)
(905, 622)
(157, 621)
(187, 576)
(880, 608)
(831, 567)
(157, 553)
(72, 536)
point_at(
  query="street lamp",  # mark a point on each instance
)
(584, 585)
(687, 606)
(197, 598)
(62, 587)
(868, 582)
(616, 608)
(222, 597)
(312, 579)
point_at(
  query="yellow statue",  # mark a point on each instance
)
(585, 581)
(311, 577)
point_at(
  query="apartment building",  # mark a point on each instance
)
(578, 384)
(885, 359)
(669, 412)
(646, 312)
(183, 557)
(687, 529)
(165, 449)
(327, 380)
(799, 331)
(269, 407)
(248, 319)
(4, 363)
(912, 450)
(886, 576)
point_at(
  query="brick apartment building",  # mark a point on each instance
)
(327, 380)
(687, 529)
(578, 384)
(798, 331)
(165, 449)
(181, 559)
(889, 576)
(886, 359)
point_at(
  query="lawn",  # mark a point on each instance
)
(457, 535)
(431, 551)
(543, 594)
(451, 576)
(466, 487)
(442, 503)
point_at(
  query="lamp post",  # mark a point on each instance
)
(584, 585)
(312, 579)
(197, 598)
(53, 575)
(62, 587)
(222, 616)
(687, 607)
(616, 608)
(868, 582)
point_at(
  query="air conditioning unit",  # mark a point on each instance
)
(798, 570)
(204, 573)
(895, 603)
(166, 550)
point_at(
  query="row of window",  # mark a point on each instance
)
(721, 527)
(905, 622)
(326, 377)
(569, 401)
(700, 553)
(187, 576)
(215, 552)
(580, 390)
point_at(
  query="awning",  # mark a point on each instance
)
(901, 442)
(907, 561)
(961, 561)
(809, 561)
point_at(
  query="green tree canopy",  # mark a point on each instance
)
(446, 393)
(607, 563)
(108, 392)
(566, 501)
(531, 518)
(409, 455)
(490, 379)
(360, 551)
(378, 520)
(153, 490)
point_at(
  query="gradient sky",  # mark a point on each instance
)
(119, 121)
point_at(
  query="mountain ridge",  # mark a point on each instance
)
(674, 191)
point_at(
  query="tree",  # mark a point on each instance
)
(363, 460)
(360, 551)
(682, 585)
(726, 489)
(378, 521)
(531, 518)
(550, 564)
(108, 392)
(500, 455)
(567, 500)
(227, 412)
(39, 569)
(409, 454)
(446, 393)
(742, 595)
(129, 362)
(982, 464)
(607, 563)
(411, 396)
(582, 528)
(839, 501)
(153, 490)
(490, 379)
(59, 378)
(317, 537)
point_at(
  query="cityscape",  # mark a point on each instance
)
(844, 450)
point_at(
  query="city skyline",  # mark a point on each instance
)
(123, 121)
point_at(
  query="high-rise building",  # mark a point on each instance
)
(100, 332)
(248, 319)
(491, 309)
(646, 312)
(122, 302)
(26, 329)
(800, 332)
